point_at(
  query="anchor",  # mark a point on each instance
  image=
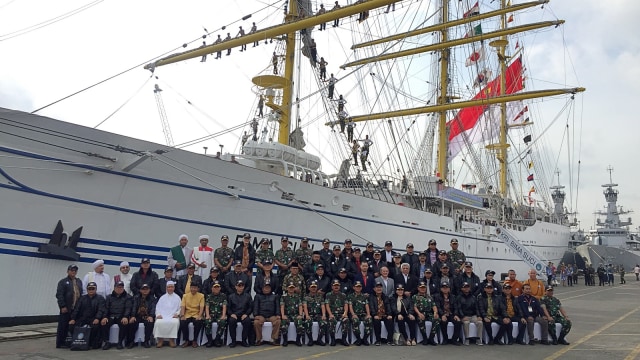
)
(58, 245)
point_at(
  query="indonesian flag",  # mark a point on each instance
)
(464, 127)
(475, 10)
(475, 57)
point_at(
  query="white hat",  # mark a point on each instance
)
(97, 263)
(171, 282)
(183, 236)
(203, 237)
(124, 263)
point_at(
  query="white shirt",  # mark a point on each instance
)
(102, 280)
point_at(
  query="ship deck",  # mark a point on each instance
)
(605, 321)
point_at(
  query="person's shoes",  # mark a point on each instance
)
(378, 343)
(146, 344)
(466, 342)
(233, 344)
(545, 342)
(531, 342)
(275, 342)
(258, 343)
(563, 342)
(245, 344)
(433, 342)
(160, 344)
(499, 342)
(456, 343)
(479, 342)
(106, 346)
(554, 342)
(209, 343)
(172, 343)
(185, 344)
(119, 346)
(131, 345)
(194, 344)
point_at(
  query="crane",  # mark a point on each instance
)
(168, 138)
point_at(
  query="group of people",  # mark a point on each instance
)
(338, 287)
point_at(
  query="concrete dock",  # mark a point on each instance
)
(606, 325)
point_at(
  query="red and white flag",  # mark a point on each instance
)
(474, 10)
(475, 56)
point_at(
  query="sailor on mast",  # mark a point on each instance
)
(243, 47)
(254, 28)
(218, 41)
(227, 39)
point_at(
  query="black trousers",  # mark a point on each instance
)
(501, 331)
(377, 328)
(521, 329)
(63, 329)
(133, 329)
(184, 328)
(403, 330)
(457, 326)
(123, 330)
(233, 325)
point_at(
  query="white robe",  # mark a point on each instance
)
(202, 255)
(126, 279)
(103, 282)
(168, 305)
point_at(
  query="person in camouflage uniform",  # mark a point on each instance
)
(294, 277)
(456, 256)
(313, 307)
(264, 253)
(283, 258)
(426, 310)
(291, 310)
(336, 309)
(215, 311)
(303, 254)
(553, 310)
(359, 309)
(223, 256)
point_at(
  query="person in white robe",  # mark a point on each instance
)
(202, 257)
(124, 276)
(98, 276)
(167, 316)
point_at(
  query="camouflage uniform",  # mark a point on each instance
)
(455, 255)
(284, 256)
(215, 304)
(292, 310)
(359, 303)
(297, 280)
(553, 307)
(224, 255)
(336, 303)
(313, 304)
(303, 256)
(425, 305)
(262, 255)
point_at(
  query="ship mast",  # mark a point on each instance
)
(443, 134)
(501, 155)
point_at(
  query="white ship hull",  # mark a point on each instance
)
(46, 176)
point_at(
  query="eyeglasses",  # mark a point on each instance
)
(240, 285)
(91, 288)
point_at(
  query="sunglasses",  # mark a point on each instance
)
(91, 288)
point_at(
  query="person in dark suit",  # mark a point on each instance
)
(433, 285)
(68, 293)
(189, 278)
(408, 281)
(366, 279)
(380, 310)
(419, 267)
(403, 313)
(388, 253)
(160, 286)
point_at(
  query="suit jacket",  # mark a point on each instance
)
(182, 283)
(405, 309)
(160, 287)
(368, 288)
(390, 288)
(411, 284)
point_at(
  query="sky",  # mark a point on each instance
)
(597, 48)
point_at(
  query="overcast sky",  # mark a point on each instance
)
(40, 66)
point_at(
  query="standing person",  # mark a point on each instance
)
(266, 308)
(336, 22)
(610, 280)
(532, 311)
(245, 138)
(366, 278)
(360, 313)
(456, 255)
(536, 286)
(467, 311)
(274, 62)
(264, 253)
(381, 314)
(410, 256)
(314, 310)
(227, 39)
(622, 280)
(489, 280)
(202, 257)
(426, 310)
(367, 254)
(341, 103)
(323, 68)
(555, 314)
(492, 309)
(570, 275)
(314, 52)
(551, 270)
(284, 258)
(191, 310)
(118, 311)
(326, 252)
(179, 256)
(432, 252)
(214, 276)
(322, 10)
(446, 303)
(204, 57)
(223, 256)
(243, 47)
(100, 278)
(403, 313)
(246, 254)
(142, 312)
(515, 315)
(337, 311)
(408, 281)
(236, 275)
(167, 317)
(68, 293)
(161, 285)
(516, 285)
(89, 310)
(366, 147)
(332, 85)
(239, 309)
(123, 276)
(636, 271)
(291, 310)
(143, 276)
(303, 254)
(266, 276)
(260, 106)
(218, 41)
(253, 30)
(350, 126)
(355, 148)
(215, 311)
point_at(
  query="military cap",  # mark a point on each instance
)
(357, 283)
(293, 265)
(237, 263)
(316, 252)
(284, 238)
(336, 247)
(489, 272)
(145, 286)
(214, 268)
(550, 287)
(376, 252)
(369, 244)
(432, 241)
(442, 252)
(506, 286)
(145, 260)
(348, 241)
(239, 282)
(92, 284)
(291, 284)
(444, 266)
(304, 239)
(454, 241)
(422, 284)
(246, 236)
(119, 283)
(335, 282)
(224, 237)
(191, 266)
(399, 287)
(168, 268)
(409, 245)
(319, 266)
(378, 284)
(267, 262)
(446, 284)
(264, 241)
(325, 241)
(397, 255)
(72, 267)
(423, 253)
(388, 243)
(428, 270)
(488, 285)
(216, 283)
(465, 284)
(468, 263)
(314, 283)
(355, 250)
(342, 270)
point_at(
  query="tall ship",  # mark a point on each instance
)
(449, 137)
